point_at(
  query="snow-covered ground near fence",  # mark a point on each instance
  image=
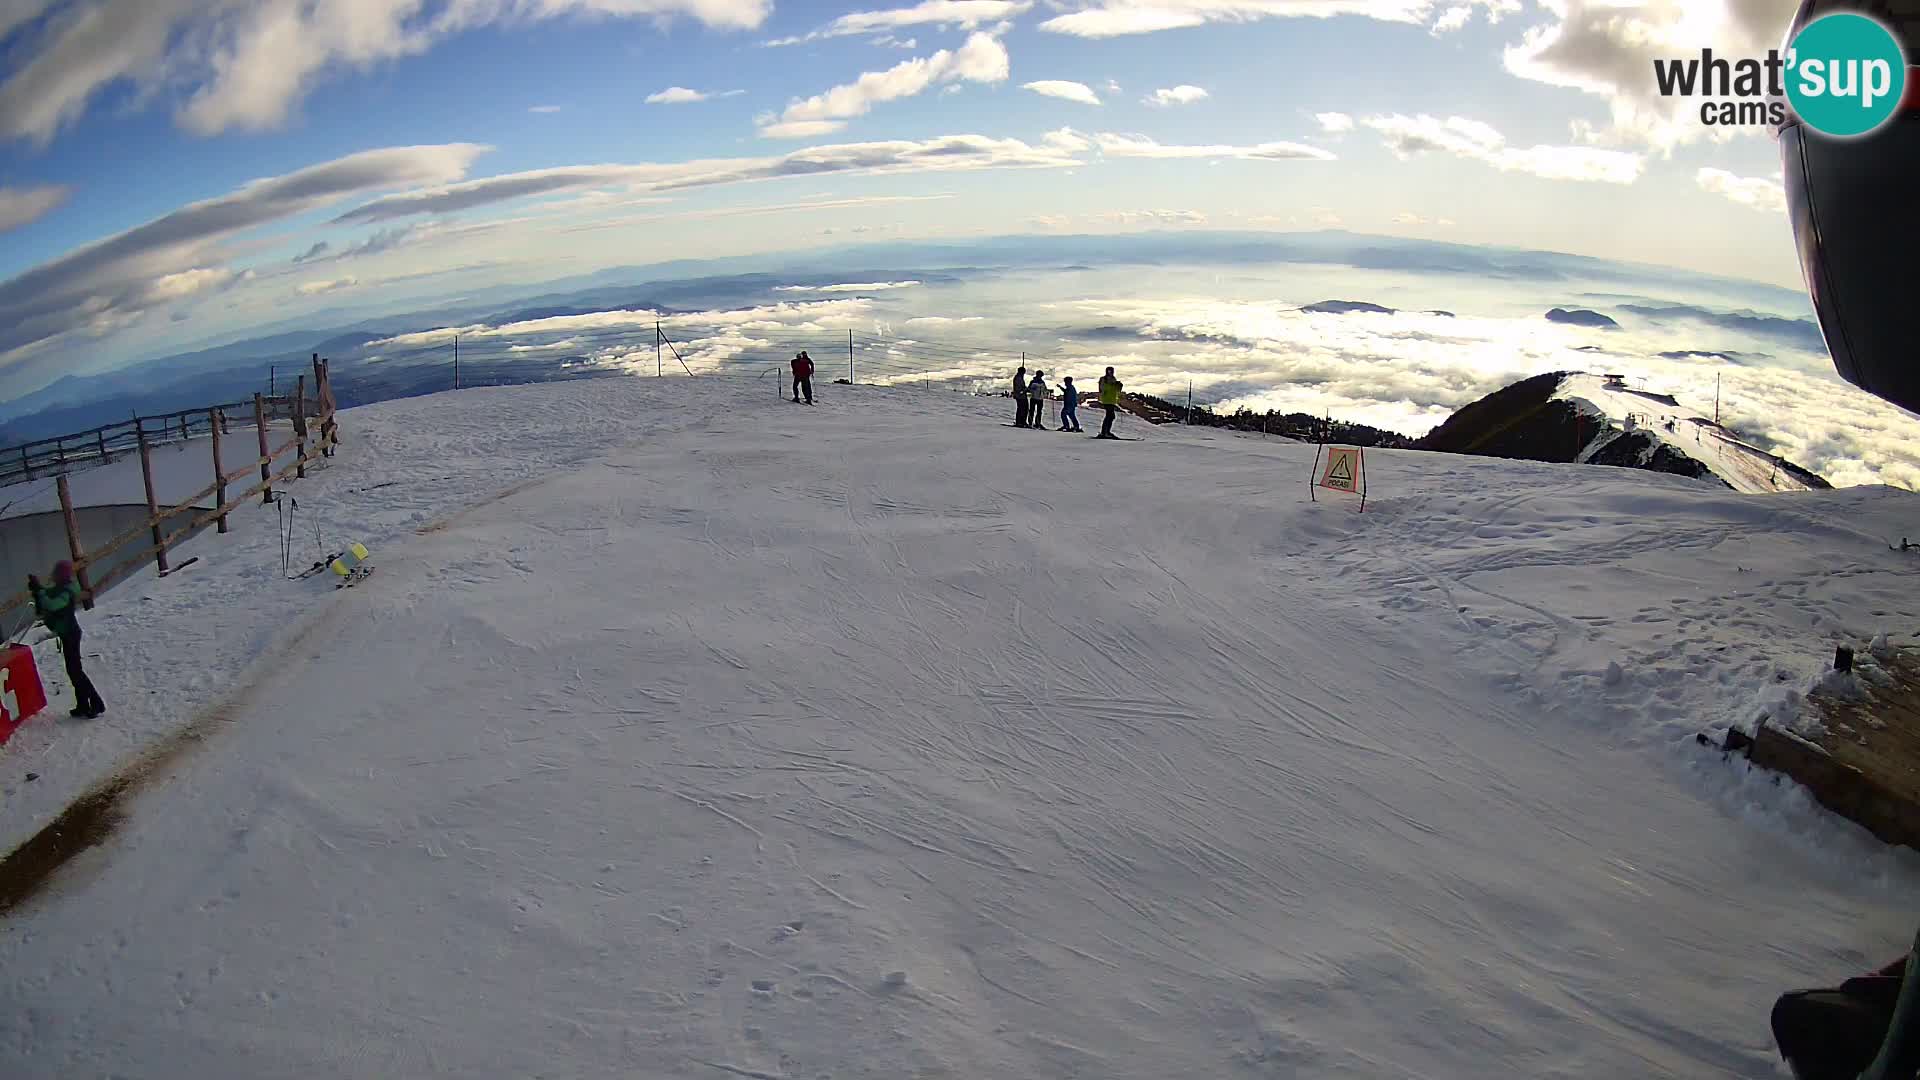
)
(1745, 467)
(688, 733)
(180, 471)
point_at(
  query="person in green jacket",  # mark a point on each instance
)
(1110, 401)
(55, 605)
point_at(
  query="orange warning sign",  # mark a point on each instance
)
(1345, 470)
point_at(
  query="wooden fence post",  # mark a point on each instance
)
(73, 542)
(300, 429)
(26, 467)
(323, 393)
(153, 503)
(266, 467)
(102, 438)
(215, 418)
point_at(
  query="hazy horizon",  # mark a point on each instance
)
(324, 162)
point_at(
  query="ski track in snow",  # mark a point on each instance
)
(675, 723)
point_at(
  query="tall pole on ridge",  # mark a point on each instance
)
(849, 356)
(456, 361)
(658, 368)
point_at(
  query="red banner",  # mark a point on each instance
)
(21, 695)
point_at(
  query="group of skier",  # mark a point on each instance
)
(1030, 397)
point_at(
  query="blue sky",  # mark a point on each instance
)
(402, 135)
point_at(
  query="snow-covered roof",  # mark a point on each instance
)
(1745, 467)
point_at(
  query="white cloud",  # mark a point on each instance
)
(1154, 217)
(111, 283)
(1042, 221)
(1114, 18)
(1066, 91)
(1066, 140)
(949, 152)
(319, 288)
(1758, 192)
(675, 95)
(765, 317)
(184, 283)
(245, 64)
(849, 287)
(1607, 48)
(982, 59)
(801, 129)
(24, 206)
(1176, 95)
(680, 95)
(1452, 19)
(954, 14)
(544, 109)
(1334, 123)
(1409, 136)
(1408, 217)
(1140, 146)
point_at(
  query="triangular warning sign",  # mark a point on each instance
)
(1341, 473)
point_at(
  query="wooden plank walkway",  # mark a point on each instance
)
(1865, 766)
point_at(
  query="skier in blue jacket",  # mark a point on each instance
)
(1069, 405)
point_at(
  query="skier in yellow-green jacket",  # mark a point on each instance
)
(1110, 401)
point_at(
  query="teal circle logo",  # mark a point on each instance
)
(1845, 74)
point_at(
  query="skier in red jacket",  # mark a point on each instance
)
(803, 376)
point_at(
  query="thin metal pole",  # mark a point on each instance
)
(456, 361)
(659, 368)
(850, 357)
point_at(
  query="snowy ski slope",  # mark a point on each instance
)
(687, 733)
(1745, 467)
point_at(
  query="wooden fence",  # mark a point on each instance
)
(315, 434)
(61, 453)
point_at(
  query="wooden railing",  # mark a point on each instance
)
(315, 434)
(62, 453)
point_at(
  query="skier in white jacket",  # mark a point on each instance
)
(1037, 395)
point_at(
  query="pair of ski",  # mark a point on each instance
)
(349, 567)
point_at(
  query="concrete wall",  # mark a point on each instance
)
(32, 543)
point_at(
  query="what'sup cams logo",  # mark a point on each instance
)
(1842, 75)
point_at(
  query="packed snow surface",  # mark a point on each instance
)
(1745, 467)
(689, 732)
